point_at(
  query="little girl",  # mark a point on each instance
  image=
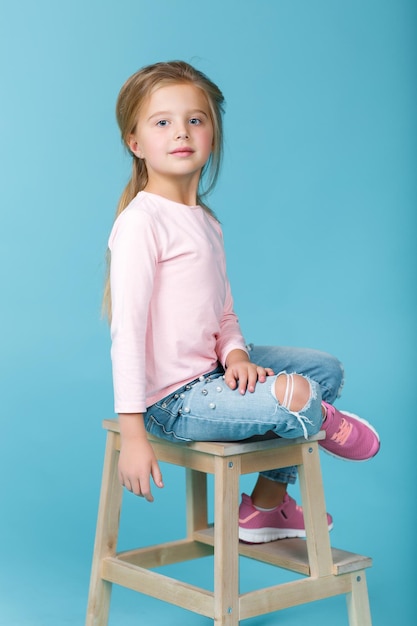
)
(181, 368)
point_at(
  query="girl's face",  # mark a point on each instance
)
(174, 133)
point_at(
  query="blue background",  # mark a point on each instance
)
(317, 201)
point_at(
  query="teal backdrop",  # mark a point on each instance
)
(318, 204)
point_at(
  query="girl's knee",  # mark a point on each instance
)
(301, 397)
(292, 391)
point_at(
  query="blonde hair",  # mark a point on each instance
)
(131, 98)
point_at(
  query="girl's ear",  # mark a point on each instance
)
(134, 146)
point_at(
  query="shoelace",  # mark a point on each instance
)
(342, 435)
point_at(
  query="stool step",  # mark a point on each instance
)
(166, 553)
(291, 554)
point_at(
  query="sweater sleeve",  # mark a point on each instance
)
(230, 337)
(133, 250)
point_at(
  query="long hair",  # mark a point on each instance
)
(131, 98)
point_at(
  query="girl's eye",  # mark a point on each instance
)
(195, 121)
(162, 123)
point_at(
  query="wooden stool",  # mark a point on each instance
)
(327, 571)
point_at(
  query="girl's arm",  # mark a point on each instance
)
(137, 461)
(132, 274)
(239, 371)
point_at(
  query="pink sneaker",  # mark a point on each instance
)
(348, 436)
(286, 520)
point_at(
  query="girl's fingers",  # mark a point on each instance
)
(247, 376)
(157, 476)
(243, 382)
(145, 490)
(252, 380)
(230, 379)
(126, 483)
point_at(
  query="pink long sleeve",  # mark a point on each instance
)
(173, 316)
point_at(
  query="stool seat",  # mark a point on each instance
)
(327, 571)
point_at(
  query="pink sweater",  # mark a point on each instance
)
(173, 316)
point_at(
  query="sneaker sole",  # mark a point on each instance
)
(343, 458)
(264, 535)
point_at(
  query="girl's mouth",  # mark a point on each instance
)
(184, 151)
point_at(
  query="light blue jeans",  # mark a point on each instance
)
(208, 410)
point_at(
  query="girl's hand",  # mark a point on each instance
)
(241, 373)
(137, 461)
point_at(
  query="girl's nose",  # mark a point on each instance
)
(182, 134)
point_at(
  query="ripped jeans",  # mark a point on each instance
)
(206, 409)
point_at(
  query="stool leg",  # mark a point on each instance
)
(106, 535)
(358, 601)
(226, 541)
(315, 516)
(196, 490)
